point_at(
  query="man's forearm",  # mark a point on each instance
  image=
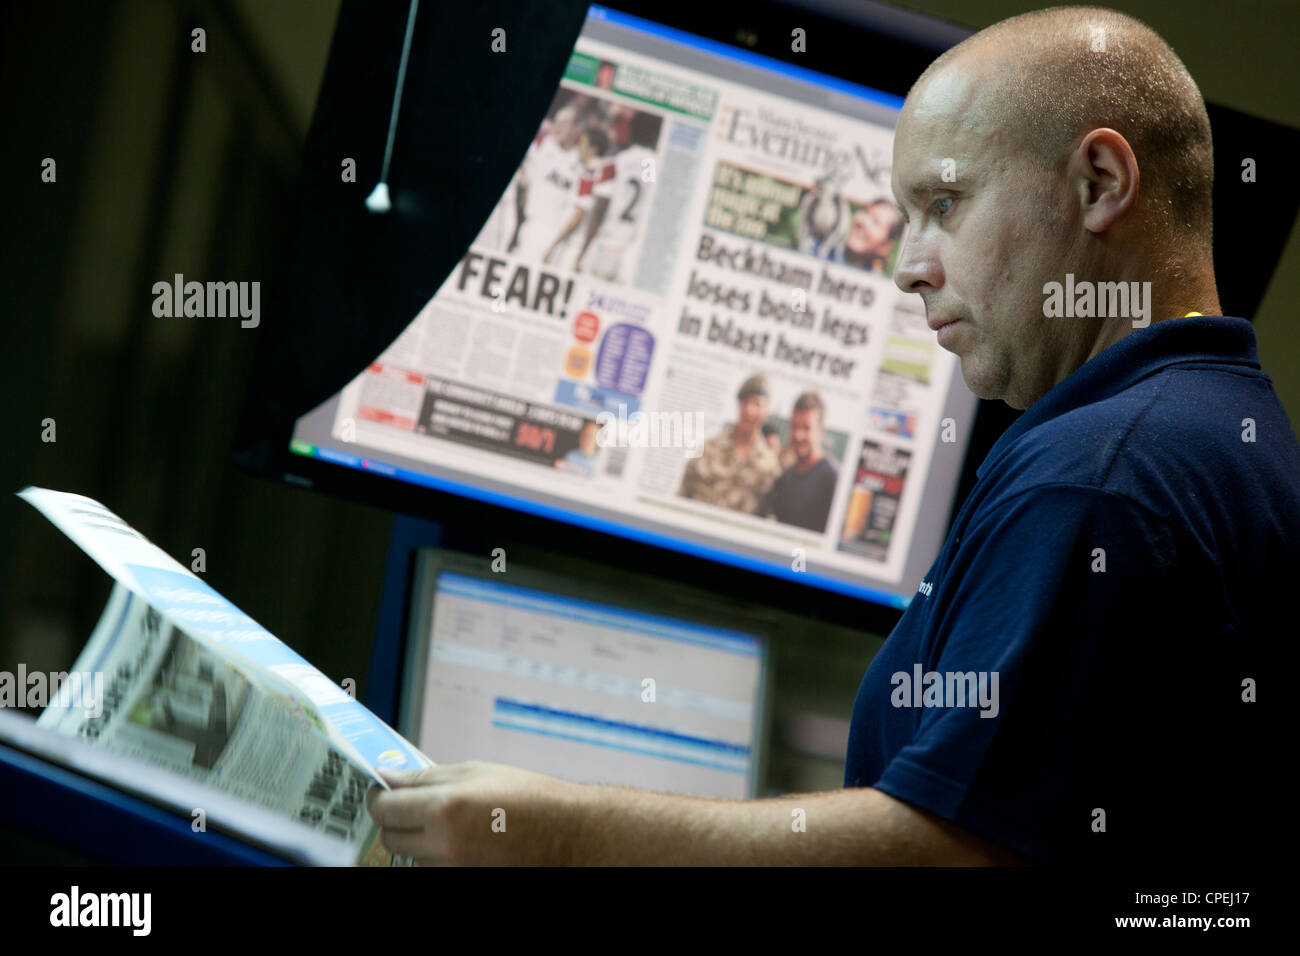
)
(616, 825)
(569, 227)
(593, 224)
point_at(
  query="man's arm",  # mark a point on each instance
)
(691, 480)
(569, 227)
(839, 827)
(521, 203)
(483, 813)
(594, 222)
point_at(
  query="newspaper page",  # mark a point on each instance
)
(176, 675)
(681, 309)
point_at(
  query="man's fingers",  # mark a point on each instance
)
(412, 843)
(406, 808)
(427, 776)
(400, 778)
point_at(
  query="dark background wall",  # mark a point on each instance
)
(171, 162)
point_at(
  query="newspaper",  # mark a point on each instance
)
(670, 242)
(185, 680)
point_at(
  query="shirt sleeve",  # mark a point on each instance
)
(1052, 599)
(604, 181)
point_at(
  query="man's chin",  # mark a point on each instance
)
(981, 388)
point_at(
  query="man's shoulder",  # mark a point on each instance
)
(1182, 444)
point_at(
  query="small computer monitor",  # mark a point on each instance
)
(519, 672)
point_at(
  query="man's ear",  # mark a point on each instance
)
(1105, 172)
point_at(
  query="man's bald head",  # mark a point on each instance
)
(1050, 76)
(1062, 146)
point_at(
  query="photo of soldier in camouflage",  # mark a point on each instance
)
(736, 468)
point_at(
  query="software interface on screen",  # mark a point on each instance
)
(584, 691)
(679, 324)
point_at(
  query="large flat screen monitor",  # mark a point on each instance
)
(679, 326)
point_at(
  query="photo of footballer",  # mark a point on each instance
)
(623, 195)
(580, 198)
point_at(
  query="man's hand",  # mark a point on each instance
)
(476, 813)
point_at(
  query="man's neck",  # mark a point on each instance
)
(804, 464)
(1168, 300)
(1174, 300)
(1173, 295)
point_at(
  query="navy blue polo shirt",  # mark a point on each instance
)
(1068, 680)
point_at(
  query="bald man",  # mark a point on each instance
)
(1074, 681)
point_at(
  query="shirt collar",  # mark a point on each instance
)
(1222, 340)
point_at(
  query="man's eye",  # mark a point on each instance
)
(942, 209)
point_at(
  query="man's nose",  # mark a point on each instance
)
(917, 267)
